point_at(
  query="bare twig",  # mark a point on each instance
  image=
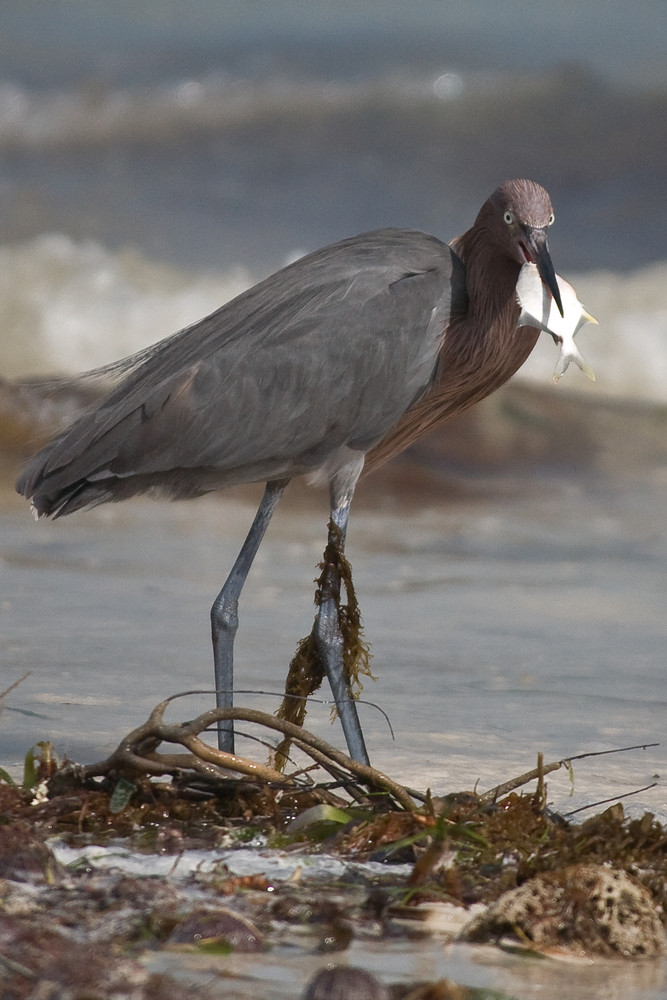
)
(614, 798)
(538, 772)
(137, 753)
(522, 779)
(16, 967)
(3, 694)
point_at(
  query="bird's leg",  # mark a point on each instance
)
(224, 613)
(327, 629)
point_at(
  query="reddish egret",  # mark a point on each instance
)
(356, 348)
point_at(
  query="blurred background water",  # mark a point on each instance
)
(157, 158)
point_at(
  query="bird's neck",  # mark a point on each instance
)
(484, 347)
(491, 278)
(481, 347)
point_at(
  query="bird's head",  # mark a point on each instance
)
(518, 214)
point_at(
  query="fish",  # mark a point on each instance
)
(539, 310)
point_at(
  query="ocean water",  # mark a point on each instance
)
(512, 571)
(152, 165)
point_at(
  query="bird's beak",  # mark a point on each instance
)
(538, 251)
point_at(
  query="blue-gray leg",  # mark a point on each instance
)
(327, 626)
(224, 613)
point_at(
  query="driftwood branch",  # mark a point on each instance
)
(137, 754)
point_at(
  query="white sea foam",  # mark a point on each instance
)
(68, 306)
(241, 861)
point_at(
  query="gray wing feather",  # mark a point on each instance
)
(328, 352)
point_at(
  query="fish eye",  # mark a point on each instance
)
(550, 221)
(509, 218)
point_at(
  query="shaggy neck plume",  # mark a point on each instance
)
(480, 350)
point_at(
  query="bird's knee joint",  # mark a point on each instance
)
(327, 630)
(224, 616)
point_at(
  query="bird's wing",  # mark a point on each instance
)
(327, 352)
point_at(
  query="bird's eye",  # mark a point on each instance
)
(551, 219)
(509, 218)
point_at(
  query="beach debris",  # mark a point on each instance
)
(136, 755)
(538, 309)
(307, 669)
(543, 885)
(587, 908)
(218, 930)
(345, 982)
